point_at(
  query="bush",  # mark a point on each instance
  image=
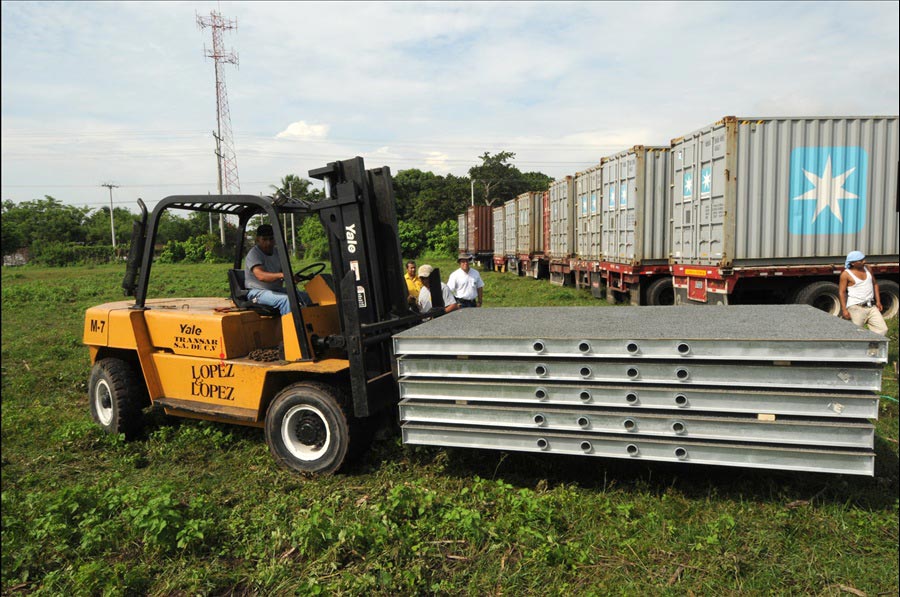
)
(173, 253)
(205, 248)
(59, 254)
(412, 238)
(315, 242)
(444, 238)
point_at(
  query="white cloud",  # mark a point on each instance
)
(302, 130)
(382, 153)
(436, 161)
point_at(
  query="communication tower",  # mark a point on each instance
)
(229, 183)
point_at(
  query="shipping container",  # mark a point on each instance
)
(511, 219)
(479, 232)
(545, 223)
(766, 209)
(499, 238)
(585, 263)
(524, 222)
(463, 235)
(764, 190)
(635, 228)
(635, 208)
(562, 218)
(588, 218)
(531, 260)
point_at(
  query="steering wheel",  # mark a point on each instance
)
(303, 276)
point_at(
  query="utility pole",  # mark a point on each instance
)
(112, 223)
(226, 158)
(219, 164)
(293, 232)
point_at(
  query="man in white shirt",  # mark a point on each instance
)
(424, 300)
(466, 284)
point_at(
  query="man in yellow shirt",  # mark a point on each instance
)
(413, 284)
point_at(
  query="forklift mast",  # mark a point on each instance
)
(360, 220)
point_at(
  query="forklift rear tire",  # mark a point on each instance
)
(116, 396)
(307, 430)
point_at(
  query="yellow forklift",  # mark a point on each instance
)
(201, 357)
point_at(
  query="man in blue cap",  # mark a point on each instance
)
(858, 291)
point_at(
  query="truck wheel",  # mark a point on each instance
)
(116, 395)
(660, 292)
(821, 295)
(307, 430)
(889, 292)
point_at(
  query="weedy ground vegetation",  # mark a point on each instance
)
(192, 507)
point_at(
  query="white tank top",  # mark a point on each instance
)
(861, 291)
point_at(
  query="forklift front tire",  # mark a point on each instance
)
(115, 396)
(307, 430)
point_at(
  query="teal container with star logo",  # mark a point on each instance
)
(828, 190)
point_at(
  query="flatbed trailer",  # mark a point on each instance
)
(809, 284)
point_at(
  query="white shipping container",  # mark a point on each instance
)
(635, 206)
(499, 231)
(562, 218)
(770, 191)
(510, 217)
(461, 220)
(530, 235)
(524, 210)
(588, 218)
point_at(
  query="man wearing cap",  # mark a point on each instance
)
(466, 284)
(263, 276)
(424, 300)
(858, 291)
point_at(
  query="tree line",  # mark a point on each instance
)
(427, 207)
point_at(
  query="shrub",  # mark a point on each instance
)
(59, 254)
(315, 242)
(444, 238)
(173, 253)
(204, 248)
(412, 239)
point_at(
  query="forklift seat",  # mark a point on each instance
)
(239, 295)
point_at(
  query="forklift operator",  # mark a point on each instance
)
(263, 276)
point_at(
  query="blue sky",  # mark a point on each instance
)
(122, 92)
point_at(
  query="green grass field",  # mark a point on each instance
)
(200, 508)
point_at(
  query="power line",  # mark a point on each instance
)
(124, 186)
(477, 145)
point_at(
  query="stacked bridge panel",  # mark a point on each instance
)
(778, 387)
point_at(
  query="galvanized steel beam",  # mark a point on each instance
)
(695, 373)
(852, 462)
(846, 434)
(810, 404)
